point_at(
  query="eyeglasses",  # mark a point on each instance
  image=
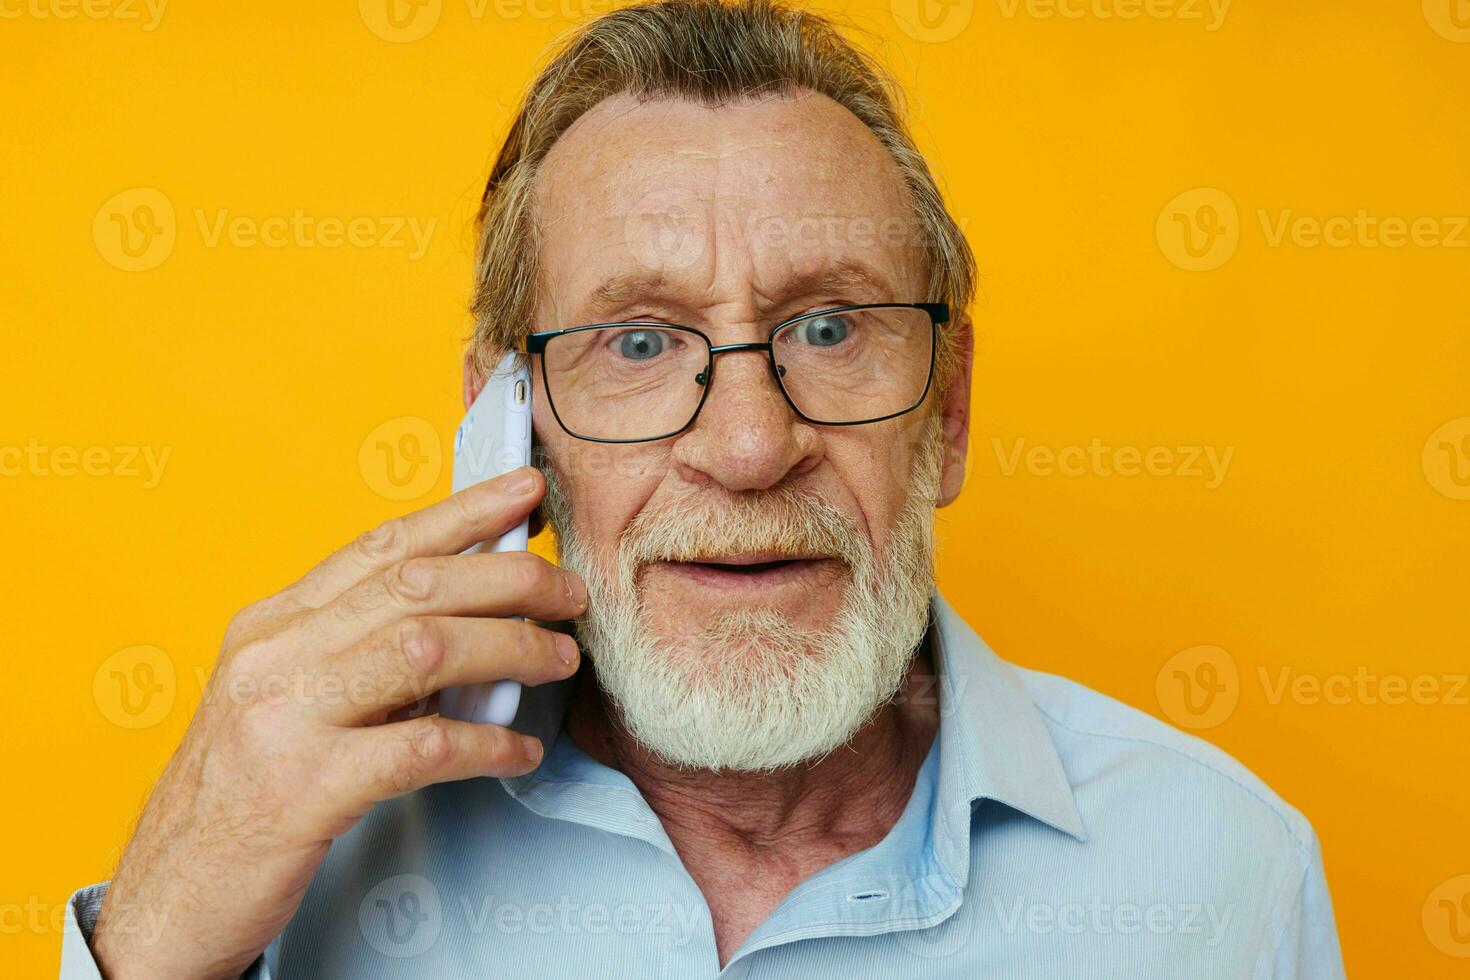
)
(644, 381)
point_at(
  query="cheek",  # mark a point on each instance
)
(605, 485)
(872, 467)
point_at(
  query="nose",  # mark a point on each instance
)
(746, 436)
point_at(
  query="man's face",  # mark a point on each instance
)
(731, 220)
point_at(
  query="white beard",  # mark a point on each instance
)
(749, 690)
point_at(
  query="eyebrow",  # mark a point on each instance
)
(623, 289)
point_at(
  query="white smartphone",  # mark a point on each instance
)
(494, 438)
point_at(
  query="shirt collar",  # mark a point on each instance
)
(993, 744)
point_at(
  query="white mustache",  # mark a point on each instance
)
(787, 521)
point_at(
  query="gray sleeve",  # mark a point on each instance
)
(81, 916)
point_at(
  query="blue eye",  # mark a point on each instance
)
(822, 331)
(640, 345)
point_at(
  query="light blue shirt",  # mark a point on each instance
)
(1052, 833)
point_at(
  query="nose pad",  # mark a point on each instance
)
(777, 371)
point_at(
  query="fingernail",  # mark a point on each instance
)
(576, 591)
(519, 481)
(532, 747)
(566, 648)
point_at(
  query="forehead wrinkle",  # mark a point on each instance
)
(751, 271)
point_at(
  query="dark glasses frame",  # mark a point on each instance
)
(938, 314)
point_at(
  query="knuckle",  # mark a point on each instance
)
(526, 646)
(536, 644)
(476, 506)
(529, 573)
(383, 542)
(421, 645)
(252, 657)
(410, 581)
(244, 623)
(426, 748)
(431, 746)
(256, 727)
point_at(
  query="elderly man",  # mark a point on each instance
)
(745, 307)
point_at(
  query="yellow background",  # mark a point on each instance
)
(1335, 544)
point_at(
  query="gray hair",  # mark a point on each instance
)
(710, 52)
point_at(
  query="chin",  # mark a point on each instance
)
(716, 642)
(685, 601)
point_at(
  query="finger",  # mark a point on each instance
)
(500, 585)
(409, 660)
(479, 513)
(369, 765)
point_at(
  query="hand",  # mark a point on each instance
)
(303, 725)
